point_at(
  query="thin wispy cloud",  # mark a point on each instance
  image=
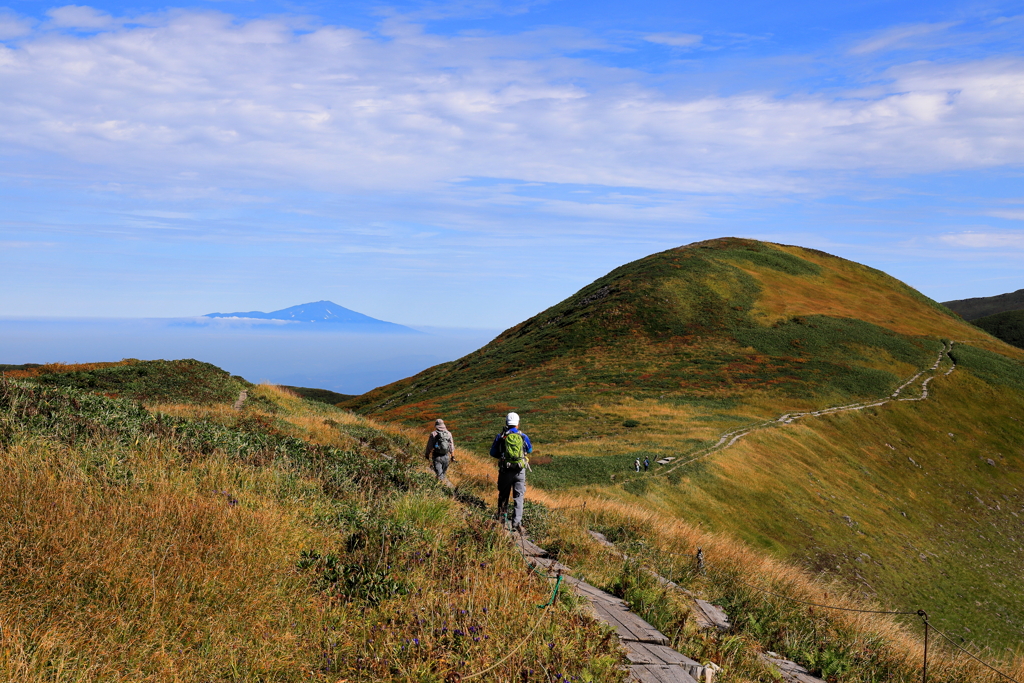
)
(13, 26)
(674, 39)
(1008, 214)
(277, 154)
(340, 109)
(80, 17)
(986, 240)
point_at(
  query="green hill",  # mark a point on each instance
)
(982, 306)
(1008, 326)
(154, 381)
(663, 356)
(321, 395)
(294, 541)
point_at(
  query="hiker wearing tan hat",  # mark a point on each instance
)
(440, 448)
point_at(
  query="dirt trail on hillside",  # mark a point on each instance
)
(729, 438)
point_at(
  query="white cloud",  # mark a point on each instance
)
(1009, 214)
(79, 16)
(898, 37)
(13, 26)
(201, 98)
(674, 39)
(985, 240)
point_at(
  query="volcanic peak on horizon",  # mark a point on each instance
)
(315, 312)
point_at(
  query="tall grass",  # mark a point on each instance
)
(221, 547)
(838, 645)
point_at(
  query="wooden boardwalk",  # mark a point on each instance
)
(651, 660)
(791, 672)
(708, 616)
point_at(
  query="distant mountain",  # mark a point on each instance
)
(323, 313)
(979, 307)
(1008, 326)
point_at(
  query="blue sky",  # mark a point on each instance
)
(468, 164)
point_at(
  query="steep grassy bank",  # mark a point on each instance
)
(766, 599)
(298, 544)
(919, 505)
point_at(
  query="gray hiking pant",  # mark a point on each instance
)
(441, 465)
(511, 481)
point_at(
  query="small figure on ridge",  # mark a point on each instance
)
(440, 447)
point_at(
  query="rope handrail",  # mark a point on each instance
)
(544, 613)
(920, 613)
(972, 656)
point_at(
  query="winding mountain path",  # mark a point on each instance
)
(729, 438)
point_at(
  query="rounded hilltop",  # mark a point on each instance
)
(712, 318)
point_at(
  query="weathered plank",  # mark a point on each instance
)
(528, 547)
(652, 661)
(710, 616)
(593, 594)
(791, 672)
(548, 566)
(650, 653)
(627, 625)
(659, 673)
(602, 539)
(240, 401)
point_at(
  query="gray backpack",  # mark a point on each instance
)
(443, 444)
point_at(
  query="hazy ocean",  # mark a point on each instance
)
(299, 355)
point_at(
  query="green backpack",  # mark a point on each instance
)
(514, 451)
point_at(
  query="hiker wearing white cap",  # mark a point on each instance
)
(440, 448)
(511, 448)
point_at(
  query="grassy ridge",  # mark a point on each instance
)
(201, 543)
(663, 355)
(193, 542)
(723, 319)
(157, 380)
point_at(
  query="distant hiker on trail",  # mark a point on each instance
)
(636, 465)
(647, 464)
(440, 447)
(511, 447)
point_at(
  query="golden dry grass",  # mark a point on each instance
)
(143, 563)
(849, 290)
(675, 542)
(59, 368)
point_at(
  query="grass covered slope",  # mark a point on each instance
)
(664, 355)
(919, 505)
(687, 342)
(155, 380)
(292, 541)
(193, 542)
